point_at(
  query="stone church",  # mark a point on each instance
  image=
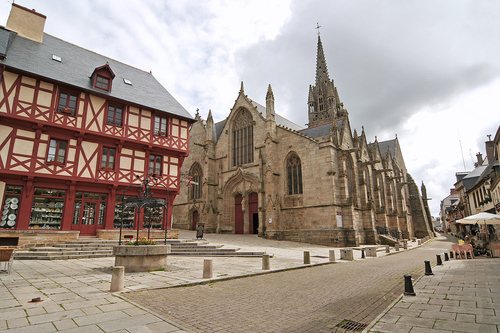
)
(259, 173)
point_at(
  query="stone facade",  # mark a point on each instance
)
(257, 172)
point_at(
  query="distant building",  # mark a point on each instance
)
(76, 128)
(257, 172)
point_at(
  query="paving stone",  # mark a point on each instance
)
(101, 317)
(127, 323)
(41, 328)
(464, 318)
(464, 327)
(438, 315)
(64, 324)
(50, 317)
(159, 327)
(17, 322)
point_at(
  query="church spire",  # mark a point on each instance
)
(322, 76)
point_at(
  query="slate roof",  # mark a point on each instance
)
(388, 145)
(77, 66)
(321, 130)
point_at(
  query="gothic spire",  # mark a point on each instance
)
(322, 76)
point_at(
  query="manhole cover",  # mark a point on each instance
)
(350, 325)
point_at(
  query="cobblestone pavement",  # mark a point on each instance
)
(313, 299)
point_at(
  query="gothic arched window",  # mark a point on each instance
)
(351, 182)
(294, 174)
(197, 173)
(243, 138)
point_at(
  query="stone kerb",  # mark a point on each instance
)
(141, 258)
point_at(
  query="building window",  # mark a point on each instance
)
(102, 82)
(243, 138)
(155, 162)
(108, 158)
(57, 151)
(67, 102)
(115, 115)
(195, 190)
(161, 126)
(294, 175)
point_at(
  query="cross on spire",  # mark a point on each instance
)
(317, 27)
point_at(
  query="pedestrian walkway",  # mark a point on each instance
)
(461, 296)
(75, 294)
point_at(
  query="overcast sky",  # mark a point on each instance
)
(426, 71)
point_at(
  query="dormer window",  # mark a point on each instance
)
(102, 82)
(102, 78)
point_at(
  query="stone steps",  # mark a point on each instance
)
(91, 247)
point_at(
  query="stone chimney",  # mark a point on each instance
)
(479, 159)
(490, 150)
(27, 23)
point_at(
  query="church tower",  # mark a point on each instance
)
(324, 103)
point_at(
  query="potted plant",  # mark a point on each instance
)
(66, 111)
(107, 167)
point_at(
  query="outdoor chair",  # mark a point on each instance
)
(468, 249)
(6, 258)
(457, 251)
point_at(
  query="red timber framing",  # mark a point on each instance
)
(29, 120)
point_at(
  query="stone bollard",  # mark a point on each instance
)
(405, 245)
(438, 259)
(207, 269)
(307, 258)
(332, 255)
(266, 265)
(387, 249)
(117, 279)
(428, 270)
(419, 241)
(446, 258)
(346, 254)
(396, 246)
(371, 251)
(408, 286)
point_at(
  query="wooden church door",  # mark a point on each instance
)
(239, 219)
(253, 213)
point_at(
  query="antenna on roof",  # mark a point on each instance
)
(460, 141)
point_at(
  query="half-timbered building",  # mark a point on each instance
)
(76, 128)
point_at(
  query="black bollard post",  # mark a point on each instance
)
(428, 270)
(439, 262)
(408, 286)
(363, 253)
(451, 254)
(446, 258)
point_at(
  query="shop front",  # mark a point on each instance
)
(50, 209)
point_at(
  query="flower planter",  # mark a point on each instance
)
(141, 258)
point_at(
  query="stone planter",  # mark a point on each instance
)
(141, 258)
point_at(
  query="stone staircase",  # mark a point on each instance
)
(93, 247)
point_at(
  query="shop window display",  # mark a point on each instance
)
(47, 209)
(11, 207)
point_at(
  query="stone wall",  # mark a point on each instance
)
(39, 238)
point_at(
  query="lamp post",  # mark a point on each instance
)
(145, 199)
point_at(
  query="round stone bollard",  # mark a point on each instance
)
(405, 245)
(332, 256)
(419, 242)
(409, 286)
(307, 258)
(387, 249)
(266, 265)
(396, 246)
(207, 269)
(117, 279)
(438, 258)
(428, 270)
(446, 258)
